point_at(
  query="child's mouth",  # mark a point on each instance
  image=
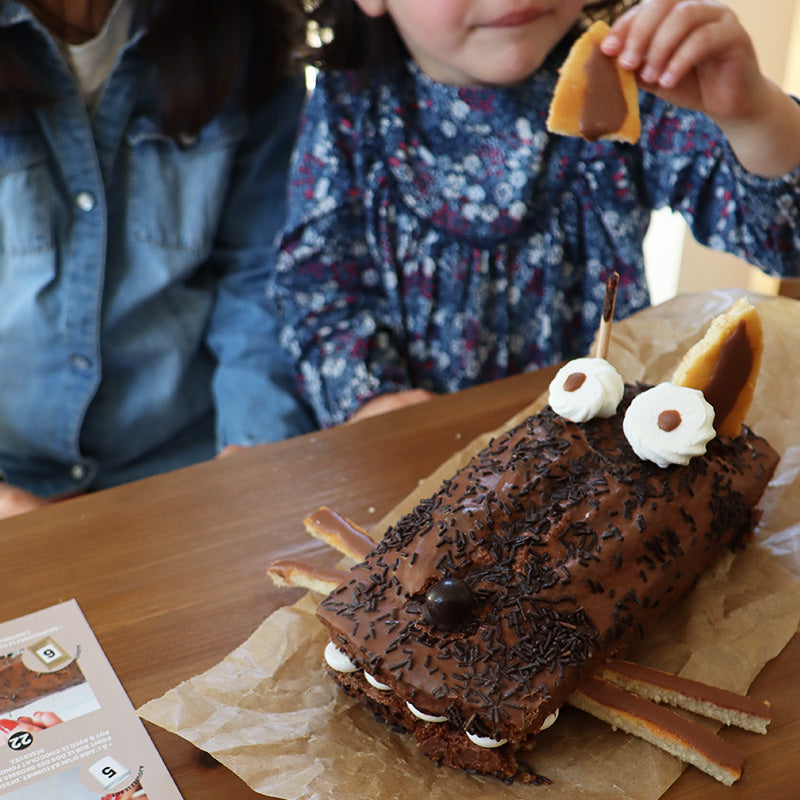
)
(517, 18)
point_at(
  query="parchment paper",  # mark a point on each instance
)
(270, 714)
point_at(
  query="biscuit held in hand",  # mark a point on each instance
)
(724, 365)
(594, 97)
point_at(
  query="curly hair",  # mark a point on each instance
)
(199, 48)
(346, 38)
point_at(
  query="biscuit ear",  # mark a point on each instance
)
(594, 97)
(724, 365)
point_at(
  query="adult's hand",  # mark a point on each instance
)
(14, 500)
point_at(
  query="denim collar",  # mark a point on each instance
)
(13, 12)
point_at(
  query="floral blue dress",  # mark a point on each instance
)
(439, 237)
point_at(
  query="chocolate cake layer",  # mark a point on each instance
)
(552, 549)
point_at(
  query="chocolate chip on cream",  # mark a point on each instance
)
(669, 420)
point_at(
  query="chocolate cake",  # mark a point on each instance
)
(20, 686)
(480, 612)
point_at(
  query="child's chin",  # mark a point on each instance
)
(492, 71)
(507, 72)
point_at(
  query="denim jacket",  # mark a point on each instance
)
(135, 333)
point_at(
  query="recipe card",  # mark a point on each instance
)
(67, 728)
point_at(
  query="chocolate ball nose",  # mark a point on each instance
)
(448, 603)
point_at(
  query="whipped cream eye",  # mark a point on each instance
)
(669, 424)
(585, 388)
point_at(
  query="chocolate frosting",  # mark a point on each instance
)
(604, 106)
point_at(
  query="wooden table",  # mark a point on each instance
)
(169, 571)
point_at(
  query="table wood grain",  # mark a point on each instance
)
(170, 571)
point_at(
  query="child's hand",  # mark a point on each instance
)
(391, 402)
(693, 53)
(696, 54)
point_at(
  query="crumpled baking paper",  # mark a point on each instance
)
(270, 714)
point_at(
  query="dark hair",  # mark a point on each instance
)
(199, 49)
(349, 39)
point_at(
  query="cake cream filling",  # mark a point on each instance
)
(423, 716)
(375, 683)
(339, 661)
(485, 741)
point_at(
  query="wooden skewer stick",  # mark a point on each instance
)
(604, 333)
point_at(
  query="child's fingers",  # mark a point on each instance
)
(699, 45)
(690, 32)
(615, 41)
(648, 38)
(632, 33)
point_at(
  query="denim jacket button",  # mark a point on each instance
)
(80, 361)
(78, 472)
(85, 201)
